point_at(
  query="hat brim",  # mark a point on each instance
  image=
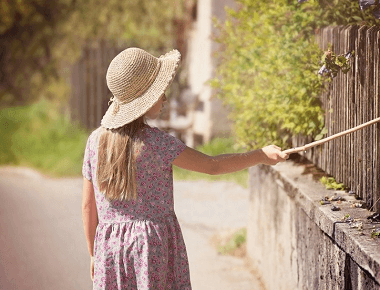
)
(138, 107)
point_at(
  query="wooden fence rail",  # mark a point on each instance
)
(350, 100)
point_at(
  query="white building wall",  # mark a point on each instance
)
(200, 66)
(211, 120)
(200, 69)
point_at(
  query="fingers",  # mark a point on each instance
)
(274, 155)
(281, 154)
(284, 155)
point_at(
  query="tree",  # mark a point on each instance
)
(39, 37)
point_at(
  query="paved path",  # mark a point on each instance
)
(42, 245)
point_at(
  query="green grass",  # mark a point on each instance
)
(40, 137)
(235, 242)
(215, 147)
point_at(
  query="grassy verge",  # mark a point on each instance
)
(215, 147)
(40, 137)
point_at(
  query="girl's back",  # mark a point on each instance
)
(139, 242)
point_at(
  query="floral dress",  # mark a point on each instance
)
(139, 244)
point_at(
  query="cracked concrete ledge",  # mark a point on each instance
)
(287, 194)
(363, 249)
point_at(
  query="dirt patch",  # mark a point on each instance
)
(230, 242)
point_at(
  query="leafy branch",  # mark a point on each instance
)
(331, 183)
(333, 63)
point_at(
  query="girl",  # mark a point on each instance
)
(133, 236)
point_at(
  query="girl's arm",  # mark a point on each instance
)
(89, 214)
(194, 160)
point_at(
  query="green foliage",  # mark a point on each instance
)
(331, 183)
(335, 63)
(268, 65)
(215, 147)
(236, 241)
(375, 233)
(267, 72)
(39, 136)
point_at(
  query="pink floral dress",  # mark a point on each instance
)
(139, 244)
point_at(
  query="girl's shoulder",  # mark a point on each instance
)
(163, 140)
(150, 131)
(154, 132)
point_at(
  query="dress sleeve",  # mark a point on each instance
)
(86, 168)
(171, 147)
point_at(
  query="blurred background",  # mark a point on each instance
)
(248, 75)
(253, 73)
(53, 64)
(53, 93)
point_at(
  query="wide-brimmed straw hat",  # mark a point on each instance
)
(137, 80)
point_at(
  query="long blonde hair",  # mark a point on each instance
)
(116, 169)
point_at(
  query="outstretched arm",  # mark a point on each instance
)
(194, 160)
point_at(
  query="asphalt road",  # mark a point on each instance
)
(42, 245)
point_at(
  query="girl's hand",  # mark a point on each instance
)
(92, 268)
(273, 155)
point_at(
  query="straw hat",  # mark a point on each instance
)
(137, 80)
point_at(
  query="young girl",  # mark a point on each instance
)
(133, 236)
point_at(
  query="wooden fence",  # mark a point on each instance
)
(350, 100)
(89, 91)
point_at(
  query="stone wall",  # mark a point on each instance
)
(294, 242)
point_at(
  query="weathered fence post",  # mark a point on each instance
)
(350, 100)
